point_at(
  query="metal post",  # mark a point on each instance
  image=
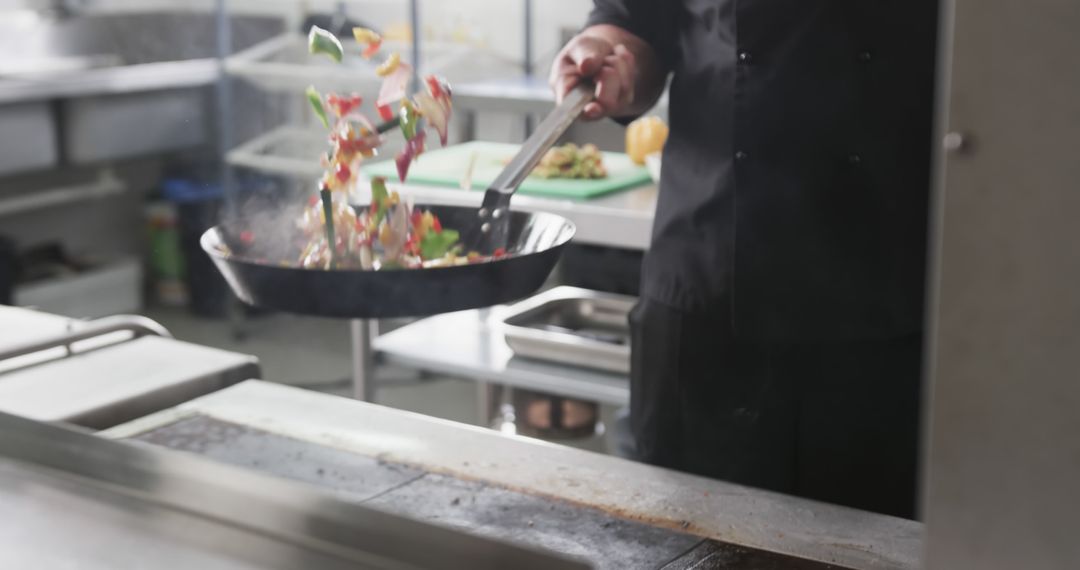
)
(414, 22)
(223, 102)
(484, 403)
(223, 91)
(527, 65)
(363, 367)
(485, 391)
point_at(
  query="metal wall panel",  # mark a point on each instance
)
(1003, 478)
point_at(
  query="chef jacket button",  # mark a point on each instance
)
(865, 56)
(745, 57)
(854, 159)
(740, 155)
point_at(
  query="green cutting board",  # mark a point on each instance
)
(446, 167)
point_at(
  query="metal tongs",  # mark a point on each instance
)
(494, 219)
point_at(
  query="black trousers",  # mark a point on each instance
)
(832, 421)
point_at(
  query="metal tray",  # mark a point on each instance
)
(579, 327)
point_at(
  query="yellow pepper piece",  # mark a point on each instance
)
(365, 36)
(389, 66)
(427, 222)
(329, 181)
(644, 137)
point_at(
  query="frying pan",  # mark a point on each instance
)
(534, 242)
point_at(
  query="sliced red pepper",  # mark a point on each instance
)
(413, 245)
(342, 172)
(434, 86)
(413, 148)
(344, 105)
(371, 49)
(385, 112)
(436, 224)
(499, 252)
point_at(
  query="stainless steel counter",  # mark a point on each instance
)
(110, 80)
(524, 95)
(471, 344)
(461, 475)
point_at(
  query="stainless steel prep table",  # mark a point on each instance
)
(106, 379)
(612, 512)
(621, 219)
(472, 345)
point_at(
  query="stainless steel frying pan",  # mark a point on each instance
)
(534, 242)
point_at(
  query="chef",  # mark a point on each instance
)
(778, 340)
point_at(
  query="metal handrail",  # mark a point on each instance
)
(138, 325)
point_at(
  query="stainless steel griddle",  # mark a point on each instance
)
(610, 512)
(74, 499)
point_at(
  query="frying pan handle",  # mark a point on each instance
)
(493, 229)
(545, 135)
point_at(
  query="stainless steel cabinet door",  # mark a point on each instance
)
(1003, 477)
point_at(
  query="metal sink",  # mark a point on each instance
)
(105, 52)
(110, 73)
(45, 57)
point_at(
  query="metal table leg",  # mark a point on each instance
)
(363, 368)
(485, 391)
(484, 403)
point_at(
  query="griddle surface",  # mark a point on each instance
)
(601, 538)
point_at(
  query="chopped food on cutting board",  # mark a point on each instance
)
(572, 161)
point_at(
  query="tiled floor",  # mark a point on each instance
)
(315, 353)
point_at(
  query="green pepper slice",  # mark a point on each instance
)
(322, 41)
(436, 244)
(316, 101)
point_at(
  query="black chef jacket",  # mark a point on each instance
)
(795, 178)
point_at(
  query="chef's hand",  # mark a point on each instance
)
(611, 66)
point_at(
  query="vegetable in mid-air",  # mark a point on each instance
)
(389, 233)
(321, 41)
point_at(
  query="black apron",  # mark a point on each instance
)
(835, 421)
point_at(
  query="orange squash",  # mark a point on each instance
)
(644, 137)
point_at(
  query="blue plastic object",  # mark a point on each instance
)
(185, 191)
